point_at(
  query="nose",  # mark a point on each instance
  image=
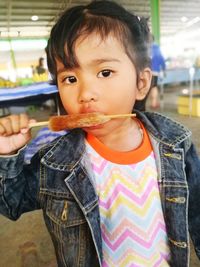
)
(87, 94)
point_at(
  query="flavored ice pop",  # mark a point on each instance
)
(67, 122)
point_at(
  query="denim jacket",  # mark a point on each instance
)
(59, 181)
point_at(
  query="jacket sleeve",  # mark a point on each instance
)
(19, 185)
(192, 168)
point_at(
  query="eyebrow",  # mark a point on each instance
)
(104, 60)
(63, 69)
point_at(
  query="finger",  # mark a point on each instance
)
(24, 130)
(6, 124)
(15, 123)
(24, 121)
(32, 121)
(2, 129)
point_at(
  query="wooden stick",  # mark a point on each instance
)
(119, 116)
(39, 123)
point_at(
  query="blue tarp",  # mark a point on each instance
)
(27, 91)
(179, 75)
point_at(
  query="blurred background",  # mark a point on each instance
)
(25, 27)
(24, 87)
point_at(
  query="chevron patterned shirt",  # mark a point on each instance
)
(132, 224)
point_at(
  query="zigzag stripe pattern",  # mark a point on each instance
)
(132, 223)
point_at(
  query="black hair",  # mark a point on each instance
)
(102, 17)
(41, 59)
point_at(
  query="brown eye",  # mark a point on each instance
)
(105, 73)
(70, 79)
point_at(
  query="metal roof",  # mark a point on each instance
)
(15, 15)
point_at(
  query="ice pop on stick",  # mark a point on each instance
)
(67, 122)
(57, 123)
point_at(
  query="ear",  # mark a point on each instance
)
(144, 83)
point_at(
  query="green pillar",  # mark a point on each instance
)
(12, 55)
(155, 19)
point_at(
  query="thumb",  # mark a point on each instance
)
(21, 139)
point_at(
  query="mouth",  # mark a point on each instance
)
(98, 124)
(89, 110)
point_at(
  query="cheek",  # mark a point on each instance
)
(126, 89)
(68, 100)
(121, 102)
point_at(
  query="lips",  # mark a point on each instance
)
(90, 110)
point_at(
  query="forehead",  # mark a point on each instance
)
(96, 42)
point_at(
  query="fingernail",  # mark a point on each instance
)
(24, 130)
(32, 121)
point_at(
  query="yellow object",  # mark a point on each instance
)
(40, 77)
(184, 105)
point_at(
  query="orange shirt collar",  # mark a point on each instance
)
(130, 157)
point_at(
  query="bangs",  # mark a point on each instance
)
(101, 26)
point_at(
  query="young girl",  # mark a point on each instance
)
(122, 193)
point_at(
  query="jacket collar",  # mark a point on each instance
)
(163, 129)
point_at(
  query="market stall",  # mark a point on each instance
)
(28, 95)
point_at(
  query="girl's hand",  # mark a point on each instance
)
(14, 133)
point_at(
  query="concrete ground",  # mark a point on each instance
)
(26, 243)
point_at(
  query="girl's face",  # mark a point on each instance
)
(104, 82)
